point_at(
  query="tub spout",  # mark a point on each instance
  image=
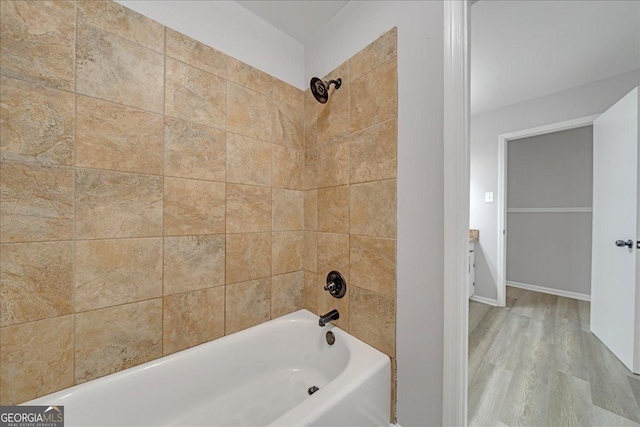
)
(329, 317)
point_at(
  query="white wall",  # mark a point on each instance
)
(232, 29)
(420, 182)
(593, 98)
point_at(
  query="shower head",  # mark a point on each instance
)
(320, 89)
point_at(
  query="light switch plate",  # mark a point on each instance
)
(488, 197)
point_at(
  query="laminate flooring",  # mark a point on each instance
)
(535, 363)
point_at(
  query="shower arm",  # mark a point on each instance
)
(337, 83)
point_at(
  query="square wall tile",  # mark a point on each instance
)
(116, 338)
(311, 291)
(333, 209)
(114, 18)
(112, 136)
(333, 164)
(287, 167)
(250, 113)
(35, 290)
(246, 76)
(118, 70)
(247, 304)
(311, 210)
(288, 125)
(36, 123)
(373, 264)
(373, 319)
(195, 95)
(248, 256)
(194, 151)
(333, 254)
(287, 251)
(37, 42)
(310, 259)
(36, 202)
(248, 160)
(333, 117)
(195, 53)
(115, 204)
(198, 258)
(114, 272)
(248, 208)
(193, 207)
(287, 293)
(373, 208)
(310, 120)
(29, 368)
(374, 97)
(286, 93)
(192, 318)
(374, 55)
(311, 161)
(374, 153)
(288, 210)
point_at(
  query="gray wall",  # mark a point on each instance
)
(554, 170)
(593, 98)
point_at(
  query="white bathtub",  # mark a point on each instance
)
(256, 377)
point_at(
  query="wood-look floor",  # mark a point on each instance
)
(535, 363)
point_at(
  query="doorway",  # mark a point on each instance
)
(502, 199)
(532, 357)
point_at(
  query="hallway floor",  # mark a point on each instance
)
(535, 363)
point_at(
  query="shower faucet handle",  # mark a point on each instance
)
(330, 287)
(336, 285)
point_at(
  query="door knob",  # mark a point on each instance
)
(621, 243)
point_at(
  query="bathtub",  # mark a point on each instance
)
(257, 377)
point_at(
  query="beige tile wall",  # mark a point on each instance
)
(350, 196)
(151, 194)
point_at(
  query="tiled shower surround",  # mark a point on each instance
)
(156, 194)
(350, 196)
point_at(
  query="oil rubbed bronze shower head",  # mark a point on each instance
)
(320, 89)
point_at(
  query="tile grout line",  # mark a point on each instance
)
(164, 168)
(120, 304)
(226, 241)
(271, 257)
(349, 192)
(39, 85)
(315, 186)
(75, 158)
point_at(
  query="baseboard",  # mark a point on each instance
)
(558, 292)
(484, 300)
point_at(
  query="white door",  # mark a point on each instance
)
(615, 219)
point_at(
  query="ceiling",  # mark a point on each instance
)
(526, 49)
(300, 19)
